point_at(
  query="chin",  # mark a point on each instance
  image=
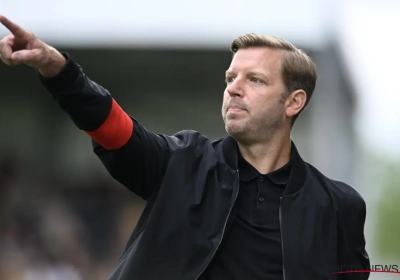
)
(235, 129)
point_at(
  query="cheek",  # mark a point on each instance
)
(262, 108)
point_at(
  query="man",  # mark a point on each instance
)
(242, 207)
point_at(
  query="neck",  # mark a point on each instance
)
(269, 154)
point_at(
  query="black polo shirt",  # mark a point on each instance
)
(252, 247)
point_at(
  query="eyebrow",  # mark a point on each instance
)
(251, 73)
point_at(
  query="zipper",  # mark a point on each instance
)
(223, 230)
(280, 224)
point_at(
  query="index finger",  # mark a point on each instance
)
(14, 28)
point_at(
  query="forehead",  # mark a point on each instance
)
(257, 58)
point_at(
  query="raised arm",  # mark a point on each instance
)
(134, 156)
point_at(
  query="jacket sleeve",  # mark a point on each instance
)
(352, 246)
(134, 156)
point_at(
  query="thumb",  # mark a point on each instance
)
(29, 57)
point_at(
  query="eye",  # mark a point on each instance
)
(229, 80)
(256, 80)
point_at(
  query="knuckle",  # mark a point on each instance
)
(30, 35)
(7, 39)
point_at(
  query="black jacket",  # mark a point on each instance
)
(191, 183)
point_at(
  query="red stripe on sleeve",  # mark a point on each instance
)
(116, 129)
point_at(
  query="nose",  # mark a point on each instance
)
(235, 88)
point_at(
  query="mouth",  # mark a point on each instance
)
(235, 109)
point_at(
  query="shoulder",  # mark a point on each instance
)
(344, 195)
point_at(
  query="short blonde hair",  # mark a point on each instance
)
(298, 70)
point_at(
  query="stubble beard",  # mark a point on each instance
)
(250, 130)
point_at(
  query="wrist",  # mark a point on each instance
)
(55, 64)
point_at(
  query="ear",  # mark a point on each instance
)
(295, 102)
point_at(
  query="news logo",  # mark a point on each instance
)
(376, 268)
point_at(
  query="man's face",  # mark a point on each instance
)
(252, 106)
